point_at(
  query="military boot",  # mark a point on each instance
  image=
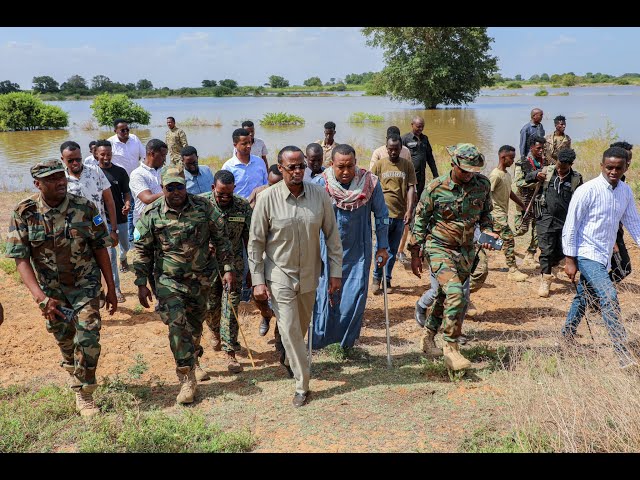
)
(188, 384)
(201, 373)
(453, 359)
(545, 284)
(232, 364)
(429, 346)
(216, 343)
(529, 260)
(516, 275)
(84, 400)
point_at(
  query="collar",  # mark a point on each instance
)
(148, 168)
(237, 161)
(284, 190)
(166, 208)
(45, 208)
(188, 175)
(449, 182)
(604, 180)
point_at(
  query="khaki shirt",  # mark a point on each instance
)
(555, 143)
(381, 152)
(284, 239)
(176, 140)
(326, 149)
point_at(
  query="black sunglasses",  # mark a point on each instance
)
(171, 188)
(122, 130)
(74, 160)
(298, 166)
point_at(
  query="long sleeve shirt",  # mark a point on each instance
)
(284, 239)
(594, 215)
(527, 131)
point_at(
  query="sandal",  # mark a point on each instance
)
(124, 267)
(120, 297)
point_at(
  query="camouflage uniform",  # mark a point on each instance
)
(60, 242)
(554, 144)
(525, 186)
(176, 140)
(445, 220)
(237, 220)
(178, 243)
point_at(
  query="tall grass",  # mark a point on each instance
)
(363, 117)
(279, 119)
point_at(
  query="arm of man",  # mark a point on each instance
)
(102, 258)
(258, 232)
(485, 221)
(245, 241)
(412, 181)
(381, 216)
(418, 236)
(578, 208)
(142, 151)
(375, 156)
(431, 161)
(334, 245)
(183, 139)
(630, 219)
(143, 258)
(147, 197)
(219, 237)
(517, 200)
(107, 198)
(523, 141)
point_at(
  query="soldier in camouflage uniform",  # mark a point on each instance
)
(235, 212)
(176, 140)
(445, 220)
(175, 232)
(59, 242)
(529, 174)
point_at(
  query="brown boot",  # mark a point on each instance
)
(216, 343)
(529, 260)
(201, 374)
(188, 384)
(545, 285)
(428, 344)
(453, 358)
(84, 400)
(516, 275)
(232, 363)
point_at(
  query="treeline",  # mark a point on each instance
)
(570, 79)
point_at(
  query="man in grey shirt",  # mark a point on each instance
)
(534, 127)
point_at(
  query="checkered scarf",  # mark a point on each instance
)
(358, 193)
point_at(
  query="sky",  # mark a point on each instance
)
(175, 57)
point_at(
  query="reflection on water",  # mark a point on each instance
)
(494, 119)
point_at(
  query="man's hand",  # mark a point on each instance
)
(227, 280)
(144, 296)
(416, 266)
(542, 175)
(334, 286)
(111, 301)
(615, 248)
(114, 237)
(488, 246)
(382, 252)
(126, 208)
(407, 218)
(570, 268)
(261, 292)
(51, 311)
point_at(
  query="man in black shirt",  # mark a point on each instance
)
(421, 153)
(119, 181)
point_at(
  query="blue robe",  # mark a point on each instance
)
(342, 322)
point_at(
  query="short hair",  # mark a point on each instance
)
(225, 177)
(275, 170)
(69, 145)
(559, 118)
(506, 148)
(119, 120)
(394, 137)
(247, 123)
(533, 139)
(616, 152)
(533, 111)
(343, 149)
(155, 145)
(103, 143)
(566, 155)
(288, 148)
(188, 150)
(172, 119)
(239, 132)
(314, 147)
(92, 143)
(393, 129)
(330, 126)
(623, 144)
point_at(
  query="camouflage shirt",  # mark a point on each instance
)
(447, 212)
(176, 140)
(60, 243)
(525, 178)
(237, 219)
(178, 243)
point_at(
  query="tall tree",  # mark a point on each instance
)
(434, 65)
(228, 83)
(144, 84)
(276, 81)
(313, 82)
(7, 86)
(209, 83)
(75, 85)
(101, 83)
(45, 84)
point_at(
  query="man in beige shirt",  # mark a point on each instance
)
(328, 142)
(556, 140)
(176, 140)
(284, 257)
(381, 152)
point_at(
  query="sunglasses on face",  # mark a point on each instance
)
(123, 130)
(171, 188)
(75, 160)
(298, 166)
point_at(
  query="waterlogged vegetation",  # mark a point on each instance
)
(363, 117)
(280, 119)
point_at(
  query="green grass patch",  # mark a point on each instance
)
(8, 266)
(200, 122)
(139, 367)
(498, 358)
(281, 119)
(514, 85)
(541, 93)
(138, 309)
(488, 440)
(363, 117)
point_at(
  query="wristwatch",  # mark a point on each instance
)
(43, 303)
(115, 231)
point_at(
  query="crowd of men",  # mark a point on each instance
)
(297, 238)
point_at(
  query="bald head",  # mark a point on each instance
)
(536, 115)
(417, 125)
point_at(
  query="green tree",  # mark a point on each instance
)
(228, 83)
(376, 86)
(435, 65)
(569, 80)
(518, 78)
(209, 83)
(544, 77)
(144, 84)
(276, 81)
(75, 85)
(534, 78)
(25, 111)
(313, 82)
(7, 86)
(106, 108)
(101, 83)
(45, 84)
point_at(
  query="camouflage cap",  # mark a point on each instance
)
(466, 156)
(46, 168)
(173, 174)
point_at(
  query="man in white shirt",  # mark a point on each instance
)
(588, 238)
(248, 170)
(127, 152)
(258, 147)
(145, 182)
(91, 159)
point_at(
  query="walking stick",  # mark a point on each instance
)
(310, 340)
(246, 345)
(386, 311)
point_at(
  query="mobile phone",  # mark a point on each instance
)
(69, 313)
(494, 242)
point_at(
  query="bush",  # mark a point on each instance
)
(24, 111)
(541, 93)
(514, 85)
(106, 108)
(622, 81)
(281, 119)
(363, 117)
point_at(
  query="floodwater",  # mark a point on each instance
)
(494, 119)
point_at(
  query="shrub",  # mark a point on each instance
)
(106, 108)
(514, 85)
(363, 117)
(281, 119)
(541, 93)
(25, 111)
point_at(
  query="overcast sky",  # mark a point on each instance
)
(176, 57)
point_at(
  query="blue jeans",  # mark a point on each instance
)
(130, 221)
(123, 242)
(396, 227)
(594, 278)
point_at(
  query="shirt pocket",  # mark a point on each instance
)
(79, 234)
(448, 209)
(37, 235)
(282, 229)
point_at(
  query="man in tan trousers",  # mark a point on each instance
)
(284, 257)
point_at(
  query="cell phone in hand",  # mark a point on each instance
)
(496, 243)
(69, 313)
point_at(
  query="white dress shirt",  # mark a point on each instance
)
(595, 211)
(127, 155)
(143, 178)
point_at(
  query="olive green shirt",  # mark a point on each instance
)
(176, 140)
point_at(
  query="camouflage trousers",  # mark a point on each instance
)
(184, 314)
(501, 227)
(522, 226)
(451, 268)
(480, 274)
(220, 317)
(79, 341)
